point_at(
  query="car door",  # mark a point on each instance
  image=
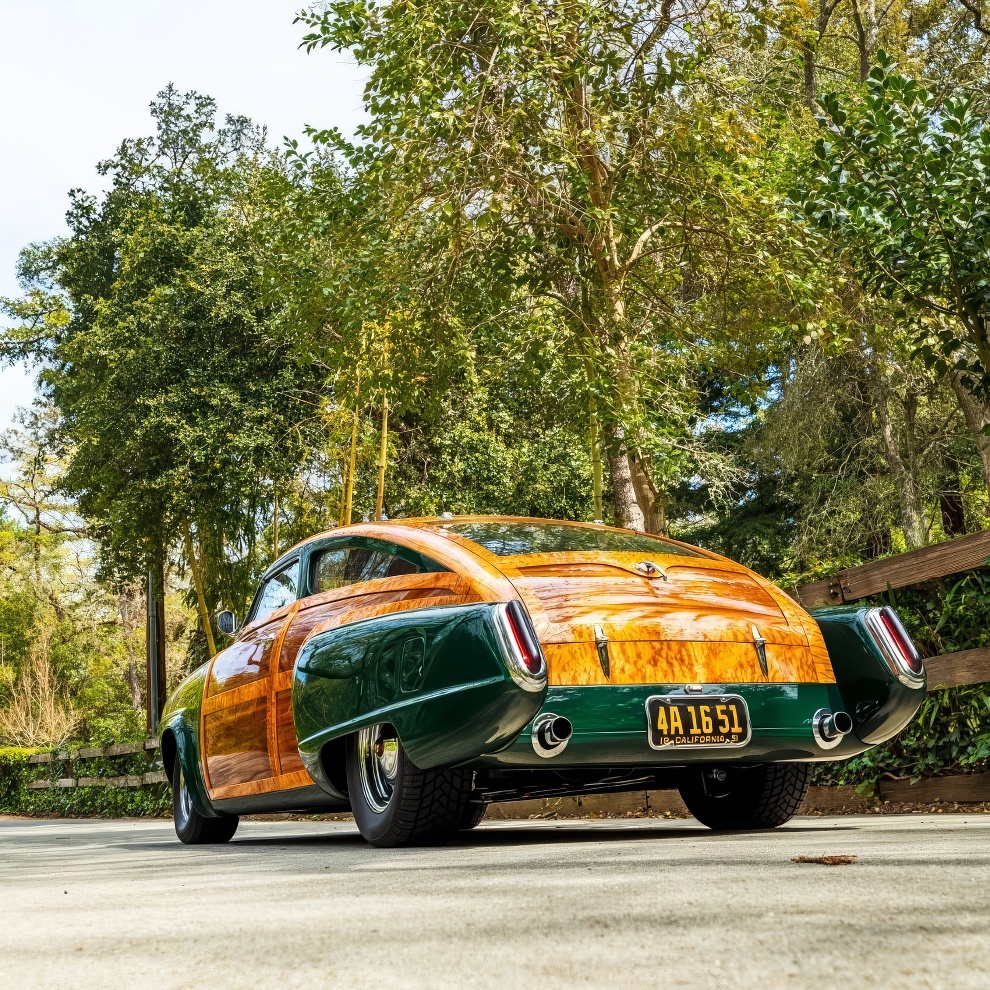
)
(349, 579)
(238, 719)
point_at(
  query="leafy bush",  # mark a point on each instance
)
(100, 801)
(13, 777)
(951, 732)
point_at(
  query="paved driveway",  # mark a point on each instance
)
(628, 904)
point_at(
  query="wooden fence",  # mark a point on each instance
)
(93, 753)
(947, 670)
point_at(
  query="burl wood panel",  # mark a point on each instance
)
(678, 663)
(796, 616)
(694, 626)
(244, 661)
(236, 743)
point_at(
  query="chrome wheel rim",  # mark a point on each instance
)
(378, 765)
(184, 807)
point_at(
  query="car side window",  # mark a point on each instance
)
(279, 590)
(338, 567)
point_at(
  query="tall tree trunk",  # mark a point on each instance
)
(204, 613)
(131, 674)
(596, 467)
(912, 516)
(977, 417)
(652, 506)
(352, 467)
(382, 461)
(867, 30)
(627, 510)
(808, 54)
(155, 641)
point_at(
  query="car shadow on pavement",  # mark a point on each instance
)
(536, 833)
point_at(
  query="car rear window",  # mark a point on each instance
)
(505, 539)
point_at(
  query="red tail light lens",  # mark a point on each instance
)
(525, 640)
(900, 636)
(895, 645)
(520, 648)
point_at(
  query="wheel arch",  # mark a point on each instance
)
(169, 750)
(179, 747)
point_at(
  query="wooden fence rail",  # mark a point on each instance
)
(95, 753)
(899, 571)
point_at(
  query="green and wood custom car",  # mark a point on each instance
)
(414, 671)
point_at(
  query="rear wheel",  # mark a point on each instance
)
(394, 802)
(192, 827)
(736, 798)
(473, 812)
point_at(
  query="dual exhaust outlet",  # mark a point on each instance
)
(551, 733)
(830, 728)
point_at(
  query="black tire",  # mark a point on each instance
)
(394, 802)
(472, 814)
(191, 827)
(738, 798)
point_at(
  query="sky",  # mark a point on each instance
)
(76, 78)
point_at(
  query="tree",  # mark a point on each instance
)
(181, 406)
(575, 153)
(905, 194)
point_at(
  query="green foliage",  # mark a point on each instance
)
(13, 777)
(906, 194)
(951, 733)
(180, 400)
(98, 801)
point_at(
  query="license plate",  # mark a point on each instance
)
(704, 720)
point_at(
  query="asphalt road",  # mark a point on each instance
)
(627, 903)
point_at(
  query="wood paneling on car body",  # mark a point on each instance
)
(236, 743)
(678, 663)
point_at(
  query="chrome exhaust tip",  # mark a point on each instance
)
(551, 734)
(830, 728)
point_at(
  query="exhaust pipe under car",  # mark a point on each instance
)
(551, 734)
(830, 727)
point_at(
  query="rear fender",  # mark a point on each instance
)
(435, 674)
(880, 705)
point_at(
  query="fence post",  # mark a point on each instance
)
(155, 642)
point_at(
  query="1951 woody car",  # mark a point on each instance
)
(414, 671)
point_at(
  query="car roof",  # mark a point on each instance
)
(439, 524)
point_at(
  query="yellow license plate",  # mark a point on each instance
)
(697, 721)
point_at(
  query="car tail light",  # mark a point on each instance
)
(895, 645)
(520, 647)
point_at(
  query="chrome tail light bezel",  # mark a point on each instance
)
(515, 634)
(899, 663)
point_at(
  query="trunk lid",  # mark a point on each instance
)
(605, 618)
